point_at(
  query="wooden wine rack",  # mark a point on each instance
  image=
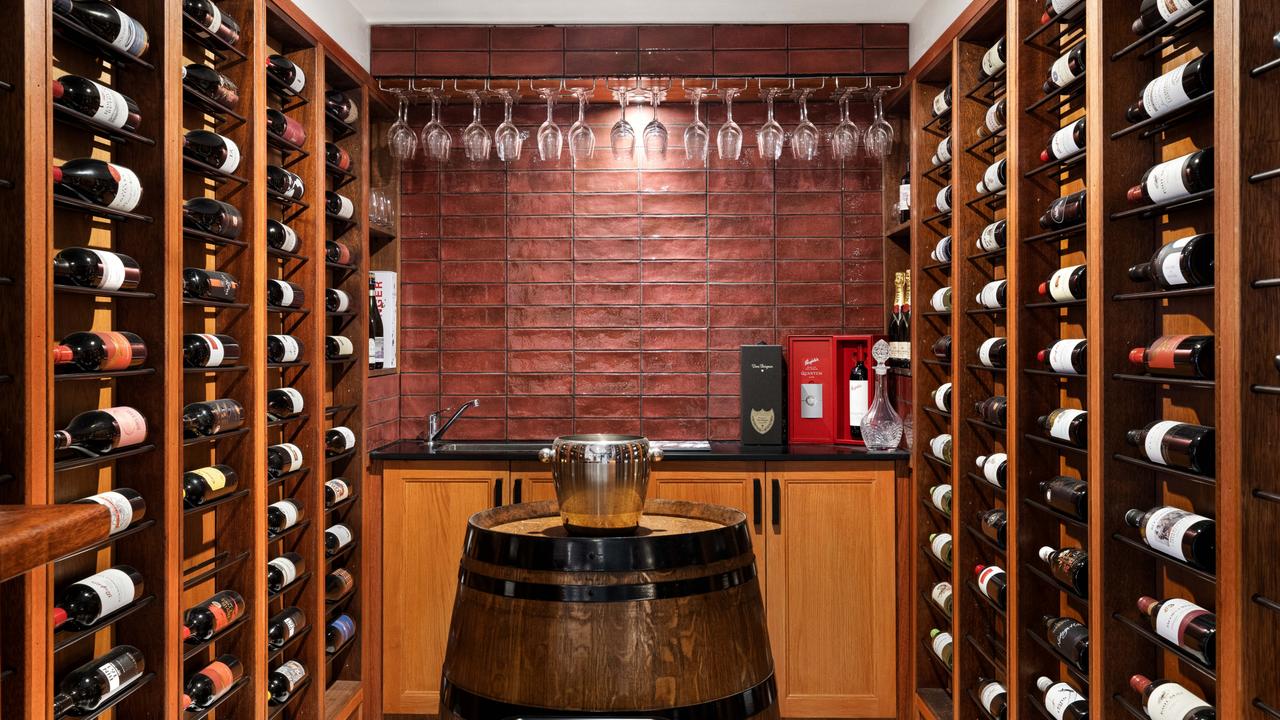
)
(1117, 315)
(186, 555)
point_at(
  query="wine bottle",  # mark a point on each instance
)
(284, 294)
(217, 151)
(940, 497)
(338, 347)
(1066, 356)
(336, 490)
(212, 682)
(1187, 262)
(1177, 356)
(1070, 638)
(1062, 701)
(1173, 90)
(284, 680)
(336, 300)
(337, 158)
(285, 128)
(995, 468)
(212, 84)
(283, 349)
(1167, 700)
(83, 603)
(339, 440)
(206, 350)
(339, 633)
(212, 216)
(1055, 9)
(943, 199)
(284, 626)
(87, 687)
(281, 236)
(212, 616)
(1184, 624)
(897, 339)
(209, 285)
(1068, 425)
(942, 102)
(111, 24)
(1066, 284)
(1069, 566)
(98, 182)
(1066, 143)
(97, 101)
(207, 484)
(1176, 444)
(1177, 533)
(941, 645)
(1155, 13)
(124, 507)
(338, 584)
(101, 351)
(209, 18)
(943, 154)
(283, 458)
(338, 205)
(338, 104)
(942, 348)
(993, 582)
(940, 447)
(940, 546)
(994, 178)
(940, 594)
(94, 268)
(994, 294)
(994, 523)
(284, 183)
(993, 697)
(1065, 69)
(336, 252)
(942, 397)
(995, 120)
(283, 515)
(1065, 212)
(993, 60)
(284, 570)
(991, 353)
(1175, 179)
(285, 72)
(337, 537)
(941, 300)
(104, 430)
(941, 252)
(284, 402)
(993, 236)
(212, 417)
(1067, 495)
(993, 410)
(859, 398)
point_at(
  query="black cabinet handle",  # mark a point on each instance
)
(757, 501)
(497, 492)
(517, 491)
(777, 504)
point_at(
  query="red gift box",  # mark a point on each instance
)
(811, 389)
(849, 349)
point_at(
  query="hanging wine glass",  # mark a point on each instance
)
(697, 138)
(847, 136)
(729, 139)
(508, 139)
(655, 133)
(550, 139)
(400, 137)
(770, 136)
(475, 139)
(622, 138)
(804, 141)
(582, 139)
(436, 140)
(879, 137)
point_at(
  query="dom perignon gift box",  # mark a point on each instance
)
(764, 395)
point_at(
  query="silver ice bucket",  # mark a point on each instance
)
(601, 481)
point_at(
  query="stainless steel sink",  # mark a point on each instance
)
(489, 447)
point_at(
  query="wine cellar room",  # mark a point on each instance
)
(377, 359)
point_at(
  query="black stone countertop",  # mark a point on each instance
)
(500, 450)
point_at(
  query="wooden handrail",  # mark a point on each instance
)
(33, 535)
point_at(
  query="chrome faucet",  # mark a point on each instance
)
(435, 430)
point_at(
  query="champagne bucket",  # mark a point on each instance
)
(600, 481)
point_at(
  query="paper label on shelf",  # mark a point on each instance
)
(1171, 701)
(288, 571)
(295, 456)
(342, 533)
(118, 507)
(213, 477)
(991, 178)
(348, 437)
(233, 156)
(991, 61)
(343, 300)
(113, 273)
(988, 241)
(941, 594)
(940, 397)
(344, 345)
(1171, 10)
(990, 295)
(1154, 441)
(1060, 422)
(991, 467)
(131, 38)
(858, 401)
(939, 545)
(1060, 72)
(985, 577)
(939, 497)
(341, 490)
(289, 511)
(295, 399)
(293, 672)
(112, 109)
(1174, 616)
(133, 427)
(1165, 529)
(940, 644)
(286, 292)
(290, 345)
(128, 189)
(1060, 355)
(1058, 698)
(1063, 144)
(1166, 93)
(1165, 181)
(114, 589)
(1171, 264)
(984, 351)
(989, 693)
(290, 239)
(1060, 283)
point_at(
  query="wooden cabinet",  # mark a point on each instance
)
(735, 485)
(532, 482)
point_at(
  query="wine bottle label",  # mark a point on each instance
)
(290, 348)
(944, 151)
(939, 545)
(128, 188)
(352, 114)
(132, 37)
(985, 577)
(993, 121)
(295, 456)
(290, 512)
(290, 243)
(939, 300)
(348, 437)
(1060, 72)
(290, 627)
(1166, 527)
(859, 401)
(1165, 180)
(342, 533)
(940, 644)
(1174, 616)
(1162, 352)
(220, 676)
(991, 467)
(941, 200)
(375, 348)
(939, 445)
(232, 162)
(341, 490)
(1166, 93)
(1060, 697)
(1060, 422)
(904, 195)
(1059, 7)
(119, 509)
(940, 397)
(299, 79)
(942, 251)
(989, 693)
(1060, 284)
(113, 272)
(1169, 700)
(1153, 444)
(114, 589)
(941, 594)
(985, 350)
(991, 178)
(118, 351)
(343, 301)
(217, 349)
(1063, 143)
(215, 19)
(990, 295)
(1060, 355)
(345, 207)
(214, 478)
(132, 426)
(112, 108)
(989, 240)
(1171, 263)
(293, 672)
(286, 292)
(295, 400)
(940, 103)
(992, 63)
(939, 496)
(1171, 10)
(288, 571)
(344, 344)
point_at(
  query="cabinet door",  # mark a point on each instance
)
(735, 485)
(532, 481)
(832, 588)
(424, 527)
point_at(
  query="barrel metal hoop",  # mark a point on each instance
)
(749, 703)
(606, 593)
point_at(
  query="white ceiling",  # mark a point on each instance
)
(564, 12)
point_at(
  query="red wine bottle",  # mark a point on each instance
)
(94, 268)
(1067, 495)
(942, 102)
(336, 252)
(205, 350)
(993, 410)
(83, 603)
(212, 682)
(208, 17)
(991, 353)
(284, 72)
(212, 84)
(859, 393)
(1173, 90)
(339, 105)
(283, 458)
(285, 294)
(994, 122)
(216, 151)
(338, 347)
(87, 687)
(283, 515)
(284, 570)
(1184, 624)
(994, 295)
(942, 348)
(1069, 566)
(1068, 425)
(1175, 179)
(994, 524)
(124, 507)
(1176, 356)
(284, 680)
(103, 430)
(1167, 700)
(995, 468)
(98, 182)
(993, 236)
(286, 128)
(336, 490)
(337, 537)
(284, 183)
(943, 153)
(99, 351)
(211, 417)
(1062, 701)
(1065, 356)
(339, 633)
(1065, 69)
(1066, 284)
(1176, 444)
(111, 24)
(212, 216)
(1070, 638)
(993, 697)
(284, 626)
(993, 61)
(97, 101)
(206, 484)
(1154, 13)
(1180, 534)
(943, 199)
(994, 178)
(336, 300)
(283, 349)
(339, 439)
(336, 157)
(993, 582)
(281, 236)
(209, 285)
(1065, 212)
(1187, 262)
(284, 402)
(1066, 143)
(338, 206)
(212, 616)
(337, 584)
